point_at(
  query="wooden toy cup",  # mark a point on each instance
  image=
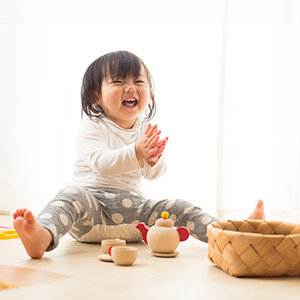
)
(123, 255)
(106, 244)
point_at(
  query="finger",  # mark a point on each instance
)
(148, 128)
(160, 151)
(162, 142)
(154, 133)
(152, 130)
(153, 142)
(150, 140)
(152, 152)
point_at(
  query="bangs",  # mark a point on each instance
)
(119, 65)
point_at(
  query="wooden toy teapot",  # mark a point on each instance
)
(163, 238)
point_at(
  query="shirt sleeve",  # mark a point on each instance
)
(93, 149)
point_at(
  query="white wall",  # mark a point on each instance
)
(49, 45)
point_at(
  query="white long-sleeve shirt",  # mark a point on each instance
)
(107, 158)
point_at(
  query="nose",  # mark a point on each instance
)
(130, 88)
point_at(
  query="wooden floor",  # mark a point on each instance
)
(73, 271)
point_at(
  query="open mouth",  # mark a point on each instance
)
(130, 102)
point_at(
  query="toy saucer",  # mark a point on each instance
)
(174, 254)
(105, 257)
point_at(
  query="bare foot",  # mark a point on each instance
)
(34, 236)
(258, 213)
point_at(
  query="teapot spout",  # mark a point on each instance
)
(144, 231)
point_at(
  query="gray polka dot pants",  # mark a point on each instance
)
(93, 215)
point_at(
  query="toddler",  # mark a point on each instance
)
(116, 147)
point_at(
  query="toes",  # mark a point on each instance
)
(20, 212)
(28, 215)
(260, 204)
(24, 210)
(24, 213)
(17, 213)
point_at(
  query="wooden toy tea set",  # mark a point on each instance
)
(163, 238)
(250, 248)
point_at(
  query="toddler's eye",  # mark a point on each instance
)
(117, 81)
(139, 81)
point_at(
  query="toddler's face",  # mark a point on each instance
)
(123, 100)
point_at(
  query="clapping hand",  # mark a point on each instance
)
(150, 146)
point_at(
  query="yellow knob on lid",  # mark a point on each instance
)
(165, 215)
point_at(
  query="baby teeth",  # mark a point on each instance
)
(130, 102)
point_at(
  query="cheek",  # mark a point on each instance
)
(112, 98)
(147, 96)
(146, 100)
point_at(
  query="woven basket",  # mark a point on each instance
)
(255, 248)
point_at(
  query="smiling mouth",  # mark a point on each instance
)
(130, 102)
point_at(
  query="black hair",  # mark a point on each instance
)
(120, 64)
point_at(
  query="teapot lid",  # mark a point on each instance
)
(164, 221)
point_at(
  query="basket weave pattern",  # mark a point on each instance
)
(255, 247)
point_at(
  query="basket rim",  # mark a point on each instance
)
(258, 234)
